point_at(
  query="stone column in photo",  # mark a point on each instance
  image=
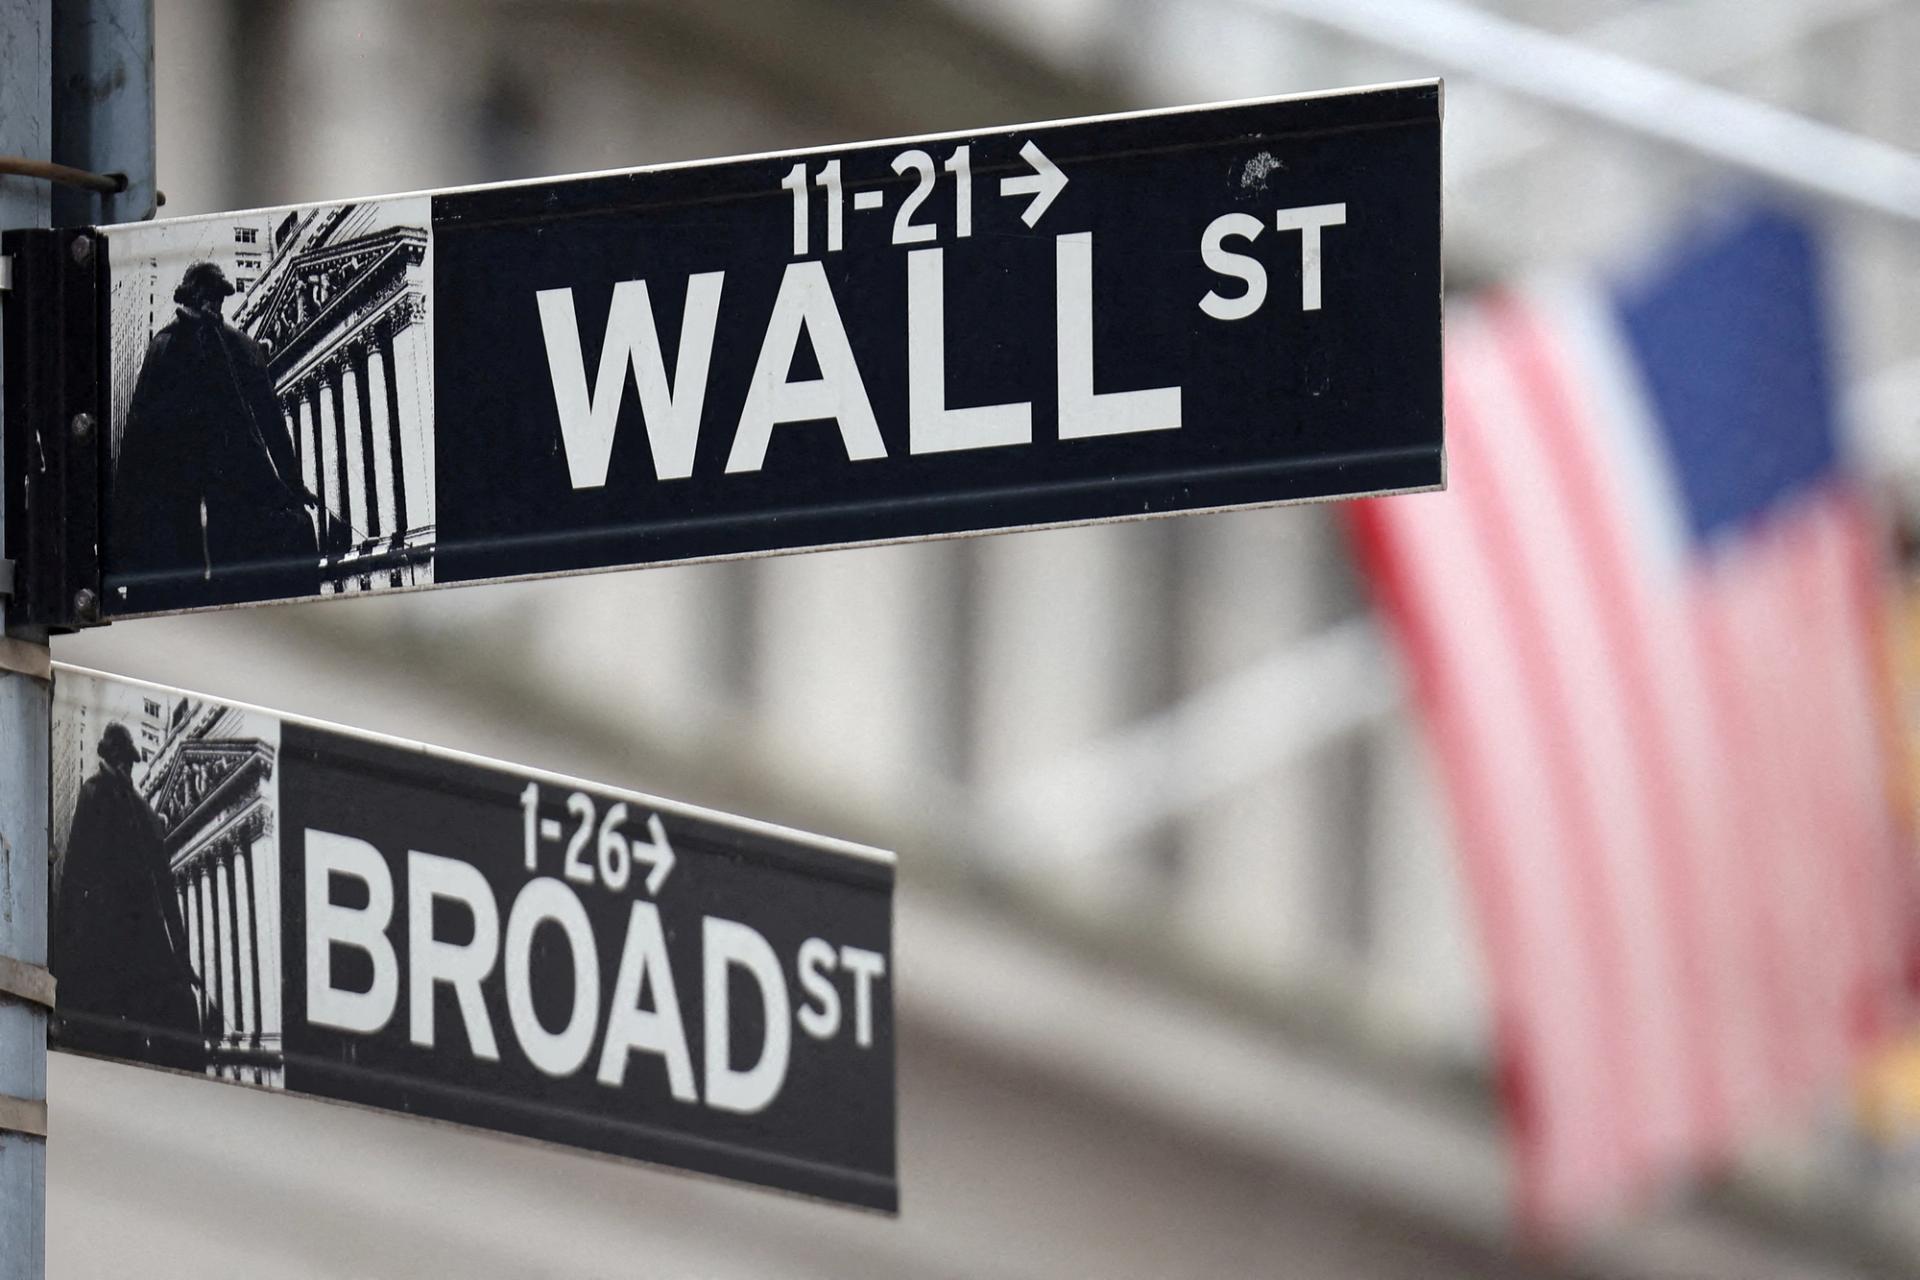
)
(249, 933)
(379, 506)
(327, 388)
(234, 952)
(209, 938)
(410, 356)
(298, 424)
(290, 414)
(263, 876)
(337, 453)
(353, 447)
(190, 916)
(221, 908)
(383, 442)
(317, 468)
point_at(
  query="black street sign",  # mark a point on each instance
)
(1102, 319)
(296, 906)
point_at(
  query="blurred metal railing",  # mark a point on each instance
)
(1702, 40)
(1219, 737)
(1781, 146)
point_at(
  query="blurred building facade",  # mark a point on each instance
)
(1168, 840)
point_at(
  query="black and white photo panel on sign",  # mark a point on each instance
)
(271, 393)
(166, 879)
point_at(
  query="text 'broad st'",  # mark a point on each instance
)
(296, 906)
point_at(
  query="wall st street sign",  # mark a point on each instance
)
(296, 906)
(1051, 324)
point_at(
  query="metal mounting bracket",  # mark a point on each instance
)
(54, 401)
(26, 658)
(34, 985)
(23, 1115)
(29, 982)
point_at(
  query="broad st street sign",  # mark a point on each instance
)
(1052, 324)
(296, 906)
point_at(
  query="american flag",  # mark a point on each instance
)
(1643, 628)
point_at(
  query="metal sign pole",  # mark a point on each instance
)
(103, 108)
(96, 115)
(26, 129)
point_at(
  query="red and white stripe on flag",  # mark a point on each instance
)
(1667, 765)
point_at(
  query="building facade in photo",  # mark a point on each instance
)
(212, 785)
(341, 308)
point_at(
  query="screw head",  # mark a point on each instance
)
(83, 427)
(84, 602)
(81, 249)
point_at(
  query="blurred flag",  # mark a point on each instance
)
(1643, 626)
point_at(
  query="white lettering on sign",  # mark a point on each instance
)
(643, 963)
(820, 1016)
(931, 426)
(805, 301)
(643, 1012)
(1224, 261)
(865, 966)
(544, 900)
(959, 163)
(1085, 412)
(671, 411)
(1044, 183)
(728, 944)
(1308, 220)
(805, 306)
(615, 853)
(363, 929)
(905, 229)
(461, 966)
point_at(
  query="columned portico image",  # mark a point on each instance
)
(170, 802)
(212, 787)
(343, 313)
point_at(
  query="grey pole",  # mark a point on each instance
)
(26, 129)
(76, 86)
(103, 106)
